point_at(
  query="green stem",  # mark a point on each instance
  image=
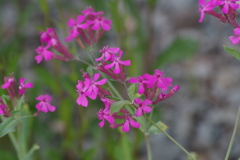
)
(149, 151)
(233, 135)
(15, 145)
(173, 140)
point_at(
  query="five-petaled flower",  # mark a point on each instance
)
(142, 106)
(44, 104)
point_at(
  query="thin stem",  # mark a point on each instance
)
(233, 135)
(149, 151)
(151, 115)
(15, 145)
(173, 140)
(78, 59)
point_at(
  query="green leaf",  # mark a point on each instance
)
(143, 123)
(132, 91)
(233, 52)
(20, 103)
(8, 125)
(181, 48)
(154, 130)
(30, 152)
(90, 70)
(115, 107)
(5, 98)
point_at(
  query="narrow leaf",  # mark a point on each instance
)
(233, 52)
(8, 125)
(154, 130)
(115, 107)
(194, 155)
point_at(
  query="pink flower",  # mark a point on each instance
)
(89, 11)
(116, 63)
(9, 85)
(142, 83)
(162, 82)
(107, 53)
(92, 90)
(44, 104)
(22, 86)
(8, 82)
(100, 22)
(82, 88)
(43, 52)
(227, 4)
(75, 24)
(128, 120)
(107, 102)
(235, 39)
(50, 37)
(142, 106)
(4, 109)
(104, 114)
(204, 7)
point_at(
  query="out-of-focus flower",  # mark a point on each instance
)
(107, 53)
(116, 63)
(44, 104)
(235, 39)
(22, 86)
(128, 120)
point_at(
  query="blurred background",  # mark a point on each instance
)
(154, 34)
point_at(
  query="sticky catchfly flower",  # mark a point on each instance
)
(235, 39)
(44, 104)
(142, 106)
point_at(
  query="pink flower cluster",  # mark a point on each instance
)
(228, 10)
(90, 26)
(111, 63)
(50, 39)
(9, 84)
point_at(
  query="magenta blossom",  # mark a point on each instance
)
(162, 82)
(22, 86)
(44, 104)
(89, 11)
(235, 39)
(107, 53)
(116, 63)
(92, 89)
(227, 4)
(43, 52)
(75, 24)
(82, 96)
(8, 82)
(104, 114)
(142, 106)
(100, 22)
(142, 83)
(204, 7)
(128, 120)
(107, 102)
(4, 109)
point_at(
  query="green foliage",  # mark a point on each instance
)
(132, 91)
(180, 49)
(233, 52)
(115, 107)
(154, 130)
(8, 125)
(90, 70)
